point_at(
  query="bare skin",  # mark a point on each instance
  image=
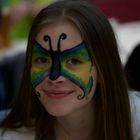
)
(77, 126)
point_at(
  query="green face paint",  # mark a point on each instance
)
(74, 64)
(41, 64)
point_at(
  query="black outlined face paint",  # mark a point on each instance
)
(75, 64)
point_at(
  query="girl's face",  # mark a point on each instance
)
(63, 74)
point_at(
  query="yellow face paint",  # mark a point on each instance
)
(41, 64)
(75, 64)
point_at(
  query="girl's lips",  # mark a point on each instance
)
(57, 94)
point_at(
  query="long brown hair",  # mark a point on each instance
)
(113, 121)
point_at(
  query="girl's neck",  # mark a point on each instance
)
(77, 125)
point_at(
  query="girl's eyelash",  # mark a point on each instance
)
(41, 60)
(74, 61)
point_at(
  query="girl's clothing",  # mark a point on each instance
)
(28, 134)
(135, 111)
(19, 134)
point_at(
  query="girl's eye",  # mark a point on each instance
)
(42, 61)
(74, 62)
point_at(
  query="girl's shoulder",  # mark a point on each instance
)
(135, 111)
(17, 134)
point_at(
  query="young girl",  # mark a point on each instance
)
(73, 86)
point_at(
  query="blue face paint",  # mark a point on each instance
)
(74, 64)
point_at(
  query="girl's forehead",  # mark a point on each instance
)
(55, 30)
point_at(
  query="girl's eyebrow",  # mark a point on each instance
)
(40, 48)
(72, 50)
(75, 48)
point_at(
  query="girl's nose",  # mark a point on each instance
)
(60, 79)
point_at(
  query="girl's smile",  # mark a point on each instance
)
(57, 94)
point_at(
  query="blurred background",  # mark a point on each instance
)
(15, 21)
